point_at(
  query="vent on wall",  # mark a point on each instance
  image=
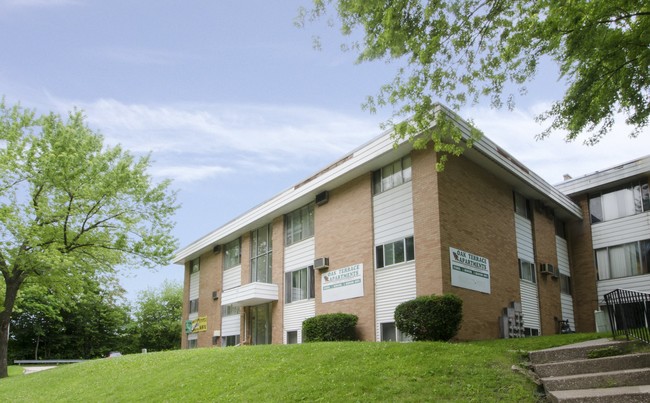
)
(216, 249)
(322, 198)
(215, 295)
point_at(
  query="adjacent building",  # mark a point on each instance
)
(381, 226)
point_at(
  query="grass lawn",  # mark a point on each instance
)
(325, 372)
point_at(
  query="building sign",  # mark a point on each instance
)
(469, 271)
(196, 325)
(342, 283)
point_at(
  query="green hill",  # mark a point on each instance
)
(327, 372)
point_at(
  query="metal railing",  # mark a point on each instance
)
(629, 314)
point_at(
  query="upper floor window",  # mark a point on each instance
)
(395, 252)
(622, 202)
(560, 228)
(527, 271)
(522, 207)
(194, 305)
(195, 265)
(299, 285)
(232, 254)
(392, 175)
(261, 254)
(630, 259)
(565, 284)
(299, 224)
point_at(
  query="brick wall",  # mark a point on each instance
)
(343, 232)
(477, 216)
(210, 279)
(186, 302)
(277, 276)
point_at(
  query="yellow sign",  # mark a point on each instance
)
(197, 325)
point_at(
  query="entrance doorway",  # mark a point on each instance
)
(260, 319)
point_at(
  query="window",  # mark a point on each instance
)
(630, 259)
(192, 343)
(229, 310)
(531, 331)
(232, 254)
(522, 207)
(299, 285)
(389, 332)
(261, 254)
(194, 305)
(560, 228)
(527, 271)
(299, 224)
(195, 265)
(622, 202)
(395, 252)
(292, 337)
(392, 175)
(565, 284)
(229, 341)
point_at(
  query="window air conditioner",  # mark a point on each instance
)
(322, 263)
(546, 268)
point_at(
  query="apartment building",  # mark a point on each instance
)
(380, 226)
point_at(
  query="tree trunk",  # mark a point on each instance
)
(12, 284)
(38, 340)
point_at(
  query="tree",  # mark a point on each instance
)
(461, 51)
(158, 314)
(71, 207)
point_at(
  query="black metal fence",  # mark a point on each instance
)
(629, 314)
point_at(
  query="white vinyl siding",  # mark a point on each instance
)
(230, 325)
(194, 292)
(393, 219)
(393, 214)
(620, 231)
(232, 278)
(636, 283)
(394, 286)
(298, 256)
(564, 268)
(295, 314)
(528, 290)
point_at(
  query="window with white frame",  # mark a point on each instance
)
(299, 285)
(392, 175)
(527, 271)
(261, 254)
(621, 202)
(195, 265)
(292, 337)
(299, 224)
(232, 254)
(395, 252)
(194, 305)
(565, 284)
(522, 207)
(229, 341)
(192, 342)
(626, 260)
(230, 310)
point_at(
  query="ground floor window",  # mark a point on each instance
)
(192, 341)
(531, 331)
(395, 252)
(228, 341)
(630, 259)
(389, 332)
(292, 337)
(299, 285)
(565, 284)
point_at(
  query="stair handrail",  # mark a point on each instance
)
(629, 314)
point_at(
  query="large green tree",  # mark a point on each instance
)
(71, 205)
(158, 317)
(459, 51)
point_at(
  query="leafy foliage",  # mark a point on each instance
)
(462, 51)
(158, 316)
(330, 327)
(430, 318)
(71, 207)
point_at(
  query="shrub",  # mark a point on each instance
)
(430, 317)
(330, 327)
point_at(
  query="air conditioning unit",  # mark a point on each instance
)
(215, 295)
(216, 249)
(322, 198)
(547, 268)
(322, 263)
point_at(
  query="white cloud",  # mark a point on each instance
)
(38, 3)
(141, 56)
(200, 141)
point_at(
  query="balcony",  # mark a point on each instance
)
(250, 294)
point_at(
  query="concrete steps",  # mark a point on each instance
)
(568, 375)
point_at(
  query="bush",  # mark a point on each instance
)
(431, 317)
(330, 327)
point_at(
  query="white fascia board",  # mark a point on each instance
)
(606, 177)
(345, 169)
(501, 157)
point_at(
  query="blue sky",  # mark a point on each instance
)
(233, 100)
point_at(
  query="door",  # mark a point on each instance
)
(261, 324)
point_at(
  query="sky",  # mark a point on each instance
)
(234, 102)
